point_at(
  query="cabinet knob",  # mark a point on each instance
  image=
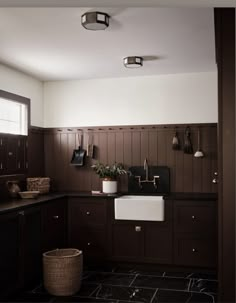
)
(215, 181)
(55, 217)
(193, 217)
(88, 213)
(89, 244)
(21, 213)
(138, 228)
(10, 153)
(194, 250)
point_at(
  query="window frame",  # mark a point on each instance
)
(20, 99)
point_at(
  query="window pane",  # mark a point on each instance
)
(13, 117)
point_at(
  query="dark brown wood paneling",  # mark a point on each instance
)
(131, 146)
(128, 148)
(225, 50)
(72, 172)
(161, 147)
(136, 149)
(111, 141)
(152, 148)
(144, 146)
(35, 152)
(179, 162)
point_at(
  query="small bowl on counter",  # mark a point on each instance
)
(29, 194)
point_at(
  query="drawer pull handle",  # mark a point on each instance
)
(21, 213)
(88, 213)
(193, 217)
(89, 243)
(194, 250)
(138, 228)
(55, 217)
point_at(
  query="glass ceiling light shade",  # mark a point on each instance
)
(133, 62)
(95, 21)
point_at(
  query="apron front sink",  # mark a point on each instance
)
(144, 208)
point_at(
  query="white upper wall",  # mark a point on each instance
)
(163, 99)
(19, 83)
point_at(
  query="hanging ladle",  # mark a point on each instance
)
(198, 153)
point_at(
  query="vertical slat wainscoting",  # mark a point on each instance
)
(131, 145)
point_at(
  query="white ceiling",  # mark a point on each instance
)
(51, 44)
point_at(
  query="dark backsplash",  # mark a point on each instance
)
(131, 145)
(50, 151)
(157, 181)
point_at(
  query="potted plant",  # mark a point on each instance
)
(109, 174)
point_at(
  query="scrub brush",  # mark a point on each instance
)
(188, 148)
(175, 142)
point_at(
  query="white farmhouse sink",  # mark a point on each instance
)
(144, 208)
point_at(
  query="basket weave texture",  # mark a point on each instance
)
(40, 184)
(62, 271)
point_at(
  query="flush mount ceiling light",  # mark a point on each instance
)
(132, 62)
(95, 20)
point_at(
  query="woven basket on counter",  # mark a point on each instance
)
(39, 184)
(62, 271)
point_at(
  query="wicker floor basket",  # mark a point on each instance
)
(62, 271)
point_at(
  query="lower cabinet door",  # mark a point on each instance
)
(32, 246)
(127, 241)
(10, 253)
(92, 241)
(54, 225)
(195, 250)
(158, 244)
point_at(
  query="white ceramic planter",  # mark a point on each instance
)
(109, 187)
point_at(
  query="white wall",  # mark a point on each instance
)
(19, 83)
(164, 99)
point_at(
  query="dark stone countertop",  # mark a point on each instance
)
(16, 204)
(192, 196)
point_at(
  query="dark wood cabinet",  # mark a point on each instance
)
(143, 241)
(3, 154)
(158, 244)
(13, 154)
(20, 252)
(127, 240)
(88, 226)
(54, 224)
(10, 253)
(31, 245)
(195, 233)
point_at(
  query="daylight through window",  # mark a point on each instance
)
(13, 117)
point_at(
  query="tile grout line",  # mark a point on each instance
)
(98, 288)
(189, 285)
(133, 280)
(154, 295)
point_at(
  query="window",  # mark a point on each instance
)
(13, 114)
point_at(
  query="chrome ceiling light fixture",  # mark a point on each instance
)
(95, 21)
(133, 61)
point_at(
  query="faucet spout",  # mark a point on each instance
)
(145, 166)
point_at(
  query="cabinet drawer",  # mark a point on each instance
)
(88, 214)
(199, 216)
(54, 224)
(195, 250)
(127, 240)
(92, 242)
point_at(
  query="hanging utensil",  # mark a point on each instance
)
(78, 155)
(90, 147)
(175, 141)
(199, 153)
(188, 148)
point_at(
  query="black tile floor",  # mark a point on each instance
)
(118, 285)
